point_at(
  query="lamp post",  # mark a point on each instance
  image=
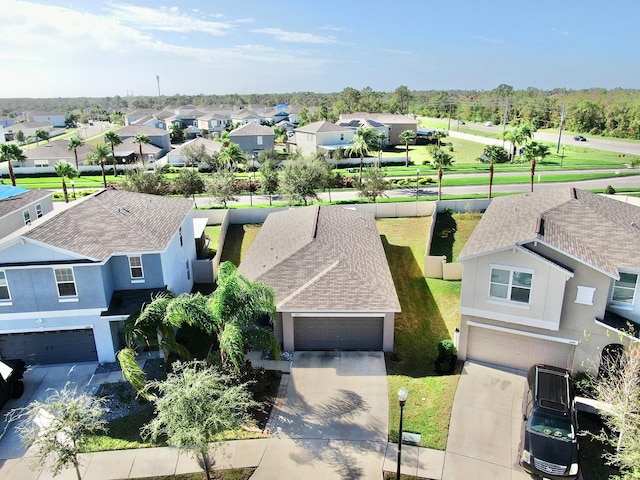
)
(73, 187)
(403, 394)
(250, 193)
(417, 190)
(562, 157)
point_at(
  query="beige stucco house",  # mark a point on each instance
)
(322, 136)
(550, 277)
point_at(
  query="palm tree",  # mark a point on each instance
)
(406, 137)
(74, 143)
(535, 152)
(99, 154)
(10, 152)
(439, 135)
(65, 170)
(113, 139)
(223, 138)
(441, 159)
(231, 154)
(519, 135)
(140, 139)
(361, 144)
(493, 154)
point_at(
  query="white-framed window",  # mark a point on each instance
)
(624, 290)
(135, 268)
(27, 217)
(511, 284)
(309, 137)
(188, 270)
(38, 210)
(5, 293)
(259, 139)
(41, 163)
(65, 282)
(180, 234)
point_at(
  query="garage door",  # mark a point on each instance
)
(64, 346)
(338, 333)
(516, 351)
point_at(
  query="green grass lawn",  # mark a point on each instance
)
(430, 313)
(237, 242)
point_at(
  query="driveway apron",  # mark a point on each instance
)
(333, 421)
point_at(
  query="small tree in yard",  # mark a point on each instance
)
(188, 183)
(493, 154)
(195, 404)
(373, 184)
(65, 171)
(440, 159)
(67, 419)
(301, 177)
(407, 137)
(270, 178)
(222, 187)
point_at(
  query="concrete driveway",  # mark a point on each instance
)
(484, 432)
(333, 421)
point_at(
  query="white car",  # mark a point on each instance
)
(488, 124)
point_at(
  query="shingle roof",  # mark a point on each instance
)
(114, 222)
(322, 258)
(133, 130)
(322, 126)
(252, 129)
(16, 202)
(600, 231)
(387, 118)
(58, 149)
(210, 146)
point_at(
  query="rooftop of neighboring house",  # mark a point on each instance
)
(133, 130)
(386, 118)
(127, 147)
(210, 146)
(251, 129)
(322, 126)
(16, 198)
(595, 229)
(330, 259)
(114, 222)
(57, 149)
(24, 125)
(361, 122)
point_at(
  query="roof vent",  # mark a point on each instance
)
(634, 223)
(123, 210)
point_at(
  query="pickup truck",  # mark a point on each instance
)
(11, 386)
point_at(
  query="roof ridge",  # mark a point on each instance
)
(309, 282)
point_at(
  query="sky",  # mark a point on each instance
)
(96, 48)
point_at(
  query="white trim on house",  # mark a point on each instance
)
(509, 318)
(619, 332)
(568, 341)
(65, 282)
(338, 314)
(136, 278)
(621, 304)
(47, 329)
(566, 254)
(508, 298)
(52, 314)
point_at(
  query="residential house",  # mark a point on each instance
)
(20, 206)
(245, 116)
(56, 119)
(157, 138)
(332, 283)
(322, 136)
(133, 116)
(28, 128)
(550, 277)
(185, 118)
(177, 157)
(51, 153)
(253, 138)
(396, 123)
(68, 283)
(7, 121)
(380, 129)
(213, 122)
(151, 122)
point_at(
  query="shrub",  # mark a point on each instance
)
(447, 357)
(610, 190)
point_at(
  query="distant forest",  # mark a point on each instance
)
(595, 111)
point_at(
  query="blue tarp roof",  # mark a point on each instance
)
(281, 106)
(8, 191)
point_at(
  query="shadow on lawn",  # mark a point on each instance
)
(444, 235)
(420, 325)
(232, 248)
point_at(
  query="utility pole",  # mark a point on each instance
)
(158, 80)
(449, 125)
(562, 115)
(506, 114)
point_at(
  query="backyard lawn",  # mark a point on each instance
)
(237, 242)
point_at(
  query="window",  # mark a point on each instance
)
(27, 217)
(188, 270)
(624, 290)
(135, 265)
(5, 294)
(341, 136)
(259, 139)
(512, 285)
(65, 281)
(180, 234)
(38, 210)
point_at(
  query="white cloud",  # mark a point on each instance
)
(334, 28)
(295, 37)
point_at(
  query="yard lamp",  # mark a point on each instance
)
(73, 187)
(250, 193)
(403, 394)
(417, 189)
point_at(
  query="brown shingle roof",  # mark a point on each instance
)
(322, 126)
(322, 258)
(114, 222)
(16, 202)
(252, 129)
(598, 230)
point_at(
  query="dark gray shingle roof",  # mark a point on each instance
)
(322, 258)
(16, 202)
(114, 222)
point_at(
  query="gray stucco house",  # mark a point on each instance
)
(253, 137)
(333, 286)
(68, 282)
(20, 207)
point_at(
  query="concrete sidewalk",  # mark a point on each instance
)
(149, 462)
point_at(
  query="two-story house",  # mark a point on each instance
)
(322, 136)
(68, 282)
(253, 137)
(20, 206)
(396, 123)
(550, 277)
(213, 122)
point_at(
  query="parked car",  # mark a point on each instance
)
(11, 386)
(579, 138)
(549, 444)
(488, 124)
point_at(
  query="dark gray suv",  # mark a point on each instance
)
(549, 444)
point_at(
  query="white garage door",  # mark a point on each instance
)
(338, 333)
(516, 351)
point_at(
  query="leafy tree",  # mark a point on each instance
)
(141, 139)
(231, 155)
(198, 155)
(373, 184)
(361, 145)
(401, 98)
(535, 152)
(196, 403)
(65, 171)
(222, 187)
(176, 133)
(41, 135)
(20, 137)
(519, 135)
(407, 136)
(113, 139)
(99, 154)
(10, 152)
(587, 116)
(441, 159)
(153, 183)
(69, 420)
(269, 171)
(301, 177)
(493, 154)
(188, 183)
(117, 117)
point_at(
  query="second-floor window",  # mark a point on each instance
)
(135, 266)
(624, 290)
(5, 294)
(66, 282)
(259, 139)
(27, 217)
(38, 210)
(510, 284)
(180, 234)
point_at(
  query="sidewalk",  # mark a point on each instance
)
(149, 462)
